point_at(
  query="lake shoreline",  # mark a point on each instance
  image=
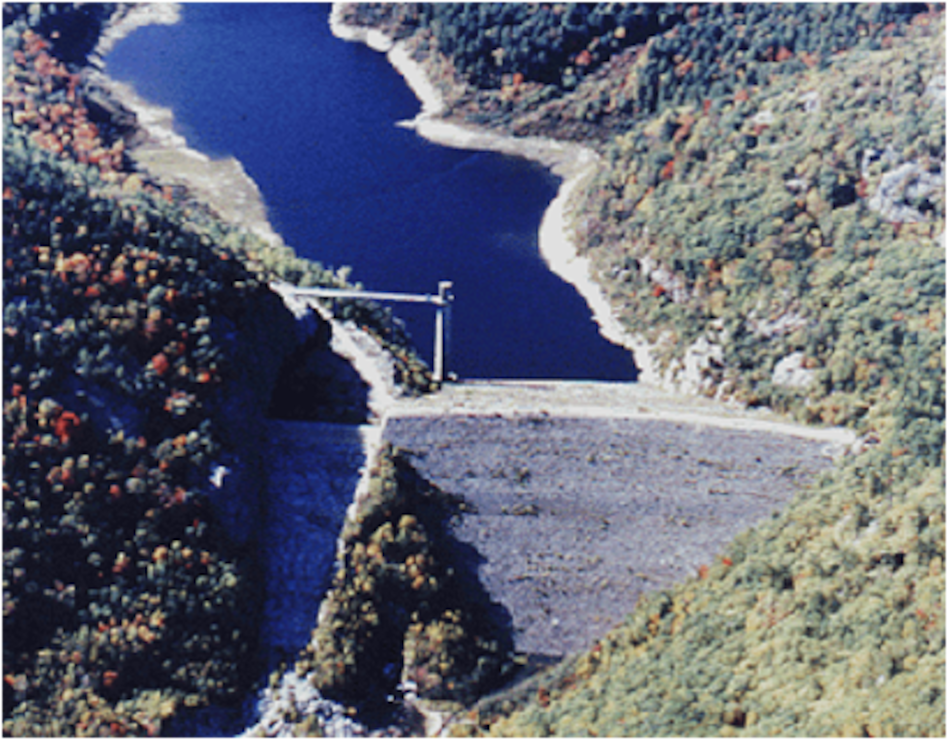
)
(157, 148)
(225, 187)
(557, 247)
(134, 17)
(572, 163)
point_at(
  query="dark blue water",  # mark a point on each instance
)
(312, 119)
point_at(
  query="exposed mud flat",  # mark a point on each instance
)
(574, 518)
(160, 150)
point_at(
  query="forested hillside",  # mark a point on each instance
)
(571, 70)
(770, 185)
(798, 227)
(771, 182)
(109, 552)
(119, 593)
(490, 42)
(130, 314)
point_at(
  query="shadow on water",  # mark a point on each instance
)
(313, 452)
(213, 721)
(315, 384)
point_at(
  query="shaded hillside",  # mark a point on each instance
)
(559, 43)
(140, 346)
(588, 70)
(118, 582)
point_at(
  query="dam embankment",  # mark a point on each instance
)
(584, 495)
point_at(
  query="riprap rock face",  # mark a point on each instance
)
(569, 520)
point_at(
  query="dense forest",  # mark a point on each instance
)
(110, 554)
(820, 241)
(770, 181)
(128, 313)
(489, 42)
(588, 69)
(770, 184)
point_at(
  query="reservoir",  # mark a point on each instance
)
(313, 121)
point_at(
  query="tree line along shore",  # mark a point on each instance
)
(770, 182)
(770, 186)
